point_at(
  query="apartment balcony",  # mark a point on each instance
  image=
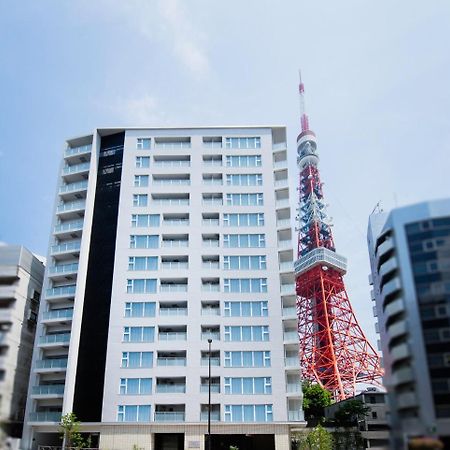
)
(406, 400)
(70, 248)
(76, 172)
(174, 243)
(61, 292)
(7, 293)
(82, 150)
(172, 336)
(285, 243)
(210, 222)
(287, 289)
(54, 340)
(280, 164)
(282, 203)
(73, 228)
(169, 361)
(290, 336)
(215, 416)
(63, 271)
(212, 181)
(387, 268)
(170, 386)
(213, 335)
(210, 243)
(72, 189)
(292, 361)
(58, 315)
(295, 416)
(173, 311)
(286, 266)
(176, 222)
(169, 416)
(171, 163)
(210, 311)
(174, 265)
(289, 311)
(170, 201)
(279, 146)
(45, 416)
(48, 391)
(210, 287)
(389, 289)
(294, 388)
(173, 287)
(212, 162)
(51, 365)
(72, 209)
(284, 223)
(282, 183)
(172, 144)
(171, 181)
(215, 361)
(212, 201)
(210, 265)
(215, 388)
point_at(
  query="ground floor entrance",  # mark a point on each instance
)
(169, 441)
(241, 441)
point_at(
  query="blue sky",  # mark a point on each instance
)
(377, 77)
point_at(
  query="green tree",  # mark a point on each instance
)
(315, 399)
(317, 439)
(350, 412)
(69, 428)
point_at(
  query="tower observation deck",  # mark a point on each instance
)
(334, 351)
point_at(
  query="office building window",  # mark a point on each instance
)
(140, 199)
(135, 386)
(133, 413)
(140, 309)
(141, 286)
(144, 241)
(248, 385)
(140, 181)
(244, 240)
(143, 263)
(145, 220)
(247, 359)
(245, 199)
(143, 143)
(142, 162)
(254, 333)
(243, 220)
(248, 413)
(138, 334)
(245, 179)
(245, 285)
(246, 309)
(137, 360)
(243, 142)
(244, 262)
(243, 161)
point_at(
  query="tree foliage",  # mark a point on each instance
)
(317, 439)
(69, 428)
(315, 399)
(350, 412)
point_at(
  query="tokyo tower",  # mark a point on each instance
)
(334, 351)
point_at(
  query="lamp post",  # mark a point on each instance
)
(209, 394)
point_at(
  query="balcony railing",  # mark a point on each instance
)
(212, 201)
(285, 243)
(174, 243)
(47, 416)
(76, 168)
(173, 288)
(171, 361)
(282, 202)
(60, 338)
(173, 336)
(73, 187)
(51, 363)
(61, 291)
(55, 389)
(210, 243)
(73, 225)
(294, 388)
(172, 182)
(290, 335)
(214, 335)
(173, 163)
(58, 314)
(174, 265)
(291, 361)
(215, 388)
(171, 201)
(210, 287)
(287, 266)
(295, 416)
(176, 222)
(279, 146)
(72, 151)
(169, 416)
(72, 246)
(280, 164)
(210, 222)
(212, 181)
(289, 311)
(170, 388)
(212, 163)
(63, 268)
(172, 145)
(71, 206)
(210, 311)
(282, 182)
(284, 223)
(214, 361)
(288, 288)
(215, 415)
(173, 311)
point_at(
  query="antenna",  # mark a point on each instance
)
(304, 120)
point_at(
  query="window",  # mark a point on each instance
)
(248, 413)
(143, 143)
(133, 413)
(257, 262)
(243, 142)
(135, 386)
(140, 181)
(244, 240)
(245, 285)
(248, 385)
(144, 241)
(246, 309)
(245, 199)
(142, 162)
(137, 360)
(256, 333)
(243, 220)
(243, 161)
(145, 220)
(140, 309)
(138, 334)
(212, 142)
(140, 199)
(141, 286)
(143, 263)
(254, 179)
(247, 359)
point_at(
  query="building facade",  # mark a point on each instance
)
(21, 276)
(164, 239)
(410, 261)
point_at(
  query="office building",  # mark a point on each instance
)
(410, 261)
(21, 275)
(163, 239)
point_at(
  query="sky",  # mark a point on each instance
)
(376, 74)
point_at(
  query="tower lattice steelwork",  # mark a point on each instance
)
(334, 351)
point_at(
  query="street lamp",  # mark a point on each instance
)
(209, 394)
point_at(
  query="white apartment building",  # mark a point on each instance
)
(164, 238)
(21, 276)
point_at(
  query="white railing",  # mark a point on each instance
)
(282, 202)
(71, 206)
(215, 336)
(284, 223)
(54, 338)
(278, 164)
(174, 243)
(170, 388)
(287, 266)
(288, 288)
(172, 311)
(214, 415)
(51, 363)
(294, 388)
(290, 335)
(212, 181)
(61, 291)
(174, 265)
(172, 336)
(291, 361)
(214, 388)
(69, 226)
(63, 268)
(212, 162)
(170, 201)
(173, 288)
(289, 311)
(209, 287)
(210, 243)
(171, 361)
(210, 265)
(55, 389)
(45, 416)
(214, 361)
(282, 182)
(58, 314)
(285, 243)
(167, 416)
(173, 181)
(72, 151)
(279, 146)
(210, 311)
(173, 145)
(172, 163)
(209, 222)
(65, 247)
(212, 201)
(295, 416)
(83, 167)
(176, 222)
(71, 187)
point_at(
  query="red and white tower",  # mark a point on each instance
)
(334, 351)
